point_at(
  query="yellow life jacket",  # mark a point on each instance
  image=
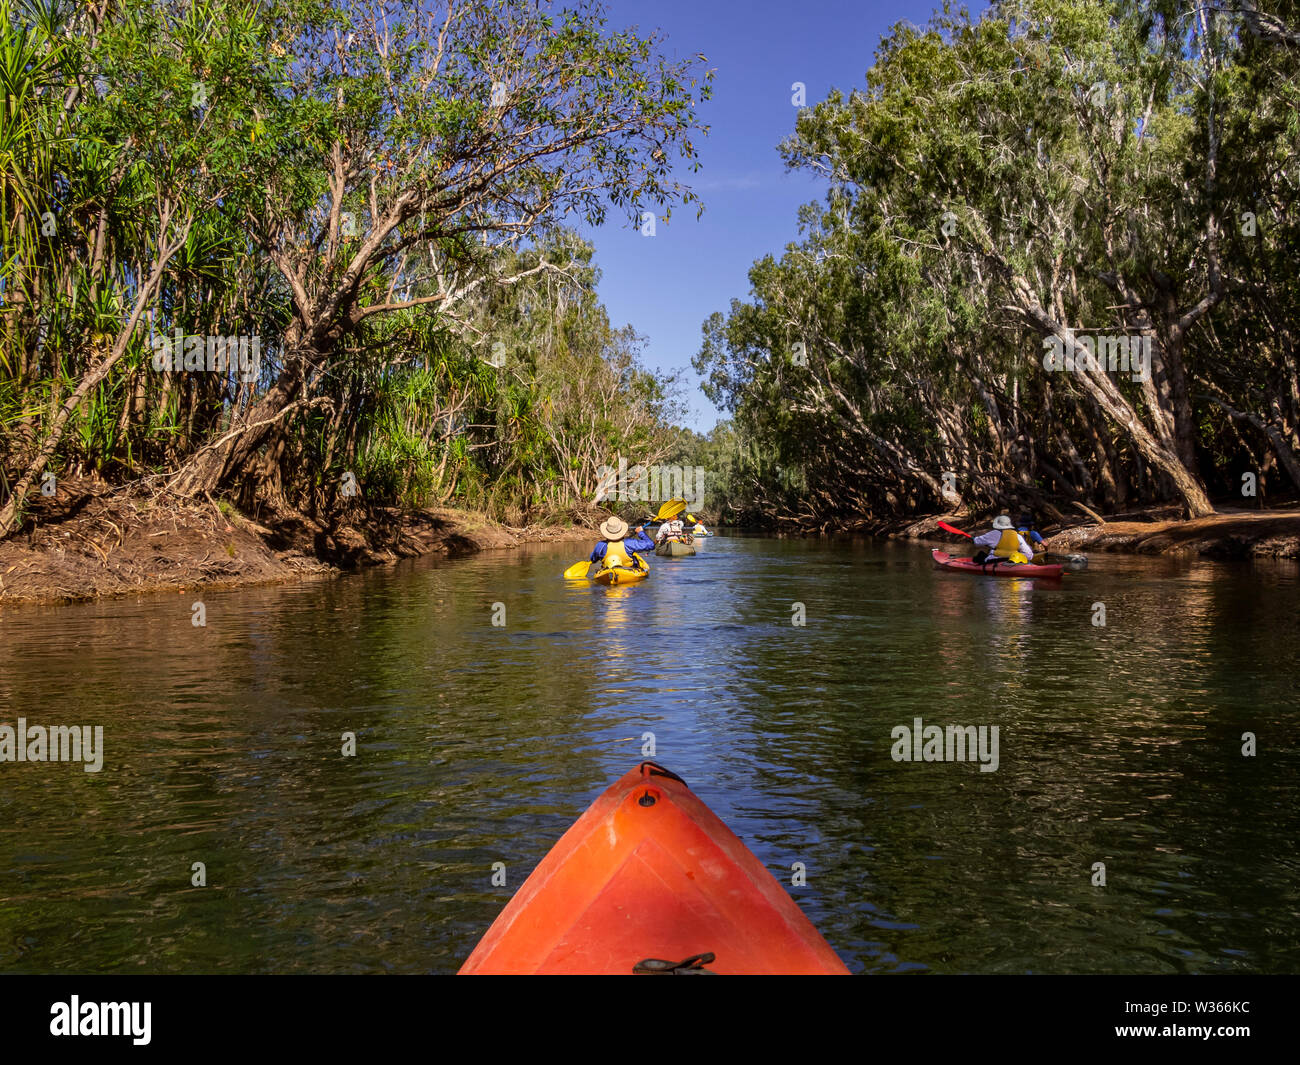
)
(1008, 546)
(616, 555)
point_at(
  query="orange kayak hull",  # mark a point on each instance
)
(650, 872)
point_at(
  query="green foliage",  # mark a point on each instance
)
(1053, 166)
(311, 173)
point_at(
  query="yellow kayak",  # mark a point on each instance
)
(622, 574)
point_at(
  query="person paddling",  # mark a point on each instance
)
(673, 529)
(616, 549)
(1025, 526)
(1003, 544)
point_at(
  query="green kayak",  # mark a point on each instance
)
(674, 549)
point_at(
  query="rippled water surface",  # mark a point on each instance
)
(479, 744)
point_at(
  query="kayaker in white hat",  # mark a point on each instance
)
(673, 528)
(1003, 543)
(616, 549)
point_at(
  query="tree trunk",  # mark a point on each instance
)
(213, 466)
(144, 297)
(1161, 454)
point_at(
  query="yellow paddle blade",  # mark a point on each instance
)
(670, 509)
(578, 571)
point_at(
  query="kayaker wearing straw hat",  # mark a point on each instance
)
(1004, 543)
(616, 550)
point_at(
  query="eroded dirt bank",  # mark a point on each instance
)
(1231, 534)
(91, 543)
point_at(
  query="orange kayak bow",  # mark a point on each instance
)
(650, 880)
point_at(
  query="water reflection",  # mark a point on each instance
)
(479, 744)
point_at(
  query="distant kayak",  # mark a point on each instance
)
(674, 549)
(648, 879)
(995, 569)
(699, 530)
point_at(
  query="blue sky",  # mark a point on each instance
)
(666, 285)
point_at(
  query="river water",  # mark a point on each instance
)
(478, 744)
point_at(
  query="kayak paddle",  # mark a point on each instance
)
(670, 509)
(945, 525)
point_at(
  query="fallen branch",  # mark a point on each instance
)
(1091, 513)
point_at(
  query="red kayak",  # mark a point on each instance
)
(996, 569)
(649, 880)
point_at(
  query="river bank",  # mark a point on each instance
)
(95, 543)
